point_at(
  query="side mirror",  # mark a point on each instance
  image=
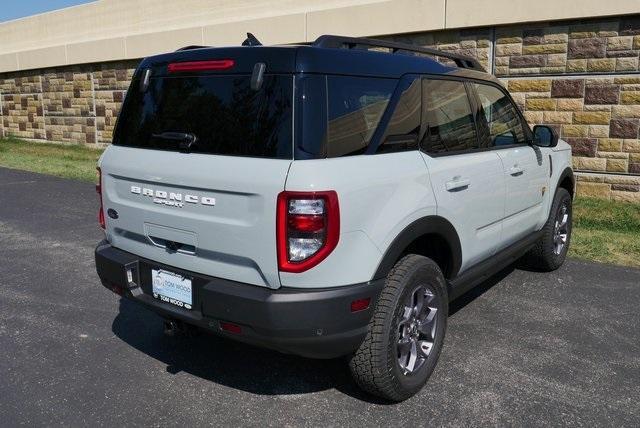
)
(544, 136)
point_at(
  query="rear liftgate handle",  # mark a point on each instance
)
(173, 246)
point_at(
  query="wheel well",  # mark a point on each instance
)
(436, 248)
(567, 183)
(430, 236)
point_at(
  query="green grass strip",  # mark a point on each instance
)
(68, 161)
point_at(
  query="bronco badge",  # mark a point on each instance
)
(172, 199)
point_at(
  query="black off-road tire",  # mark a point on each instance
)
(543, 255)
(375, 366)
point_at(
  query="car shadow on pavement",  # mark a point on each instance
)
(246, 367)
(227, 362)
(480, 289)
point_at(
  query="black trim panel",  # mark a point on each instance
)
(568, 172)
(315, 323)
(483, 270)
(429, 224)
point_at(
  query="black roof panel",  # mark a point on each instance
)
(314, 59)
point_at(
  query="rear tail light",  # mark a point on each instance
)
(218, 64)
(99, 191)
(308, 228)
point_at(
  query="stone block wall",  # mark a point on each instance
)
(602, 46)
(580, 77)
(599, 117)
(76, 104)
(21, 107)
(624, 188)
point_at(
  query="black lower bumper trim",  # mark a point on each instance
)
(316, 323)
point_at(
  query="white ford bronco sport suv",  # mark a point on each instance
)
(327, 199)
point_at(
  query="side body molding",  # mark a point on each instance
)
(425, 225)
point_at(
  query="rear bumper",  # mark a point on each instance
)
(316, 323)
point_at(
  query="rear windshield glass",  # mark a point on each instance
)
(222, 114)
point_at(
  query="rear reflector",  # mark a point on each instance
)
(99, 191)
(218, 64)
(360, 304)
(230, 327)
(116, 288)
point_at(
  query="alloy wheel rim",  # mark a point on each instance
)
(417, 329)
(561, 229)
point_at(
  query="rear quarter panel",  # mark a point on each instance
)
(379, 195)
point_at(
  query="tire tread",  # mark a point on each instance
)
(541, 256)
(370, 364)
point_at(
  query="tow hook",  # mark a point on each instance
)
(170, 328)
(173, 328)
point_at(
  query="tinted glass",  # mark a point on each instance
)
(404, 125)
(225, 115)
(504, 124)
(311, 117)
(447, 114)
(355, 106)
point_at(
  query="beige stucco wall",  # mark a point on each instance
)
(107, 30)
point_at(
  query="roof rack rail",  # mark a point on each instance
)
(188, 48)
(337, 42)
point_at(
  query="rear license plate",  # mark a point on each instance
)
(172, 288)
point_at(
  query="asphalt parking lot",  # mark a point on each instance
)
(524, 348)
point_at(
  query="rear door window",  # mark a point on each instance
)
(355, 107)
(223, 113)
(448, 116)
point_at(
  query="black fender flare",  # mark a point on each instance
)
(430, 224)
(568, 172)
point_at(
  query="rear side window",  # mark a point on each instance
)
(448, 117)
(404, 125)
(223, 113)
(504, 124)
(355, 107)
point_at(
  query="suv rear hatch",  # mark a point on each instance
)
(200, 154)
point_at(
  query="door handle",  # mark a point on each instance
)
(516, 171)
(457, 184)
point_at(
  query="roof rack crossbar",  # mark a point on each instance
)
(337, 42)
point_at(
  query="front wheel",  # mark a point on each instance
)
(551, 249)
(406, 332)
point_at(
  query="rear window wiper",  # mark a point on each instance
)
(185, 140)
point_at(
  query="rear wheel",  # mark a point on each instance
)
(406, 331)
(551, 249)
